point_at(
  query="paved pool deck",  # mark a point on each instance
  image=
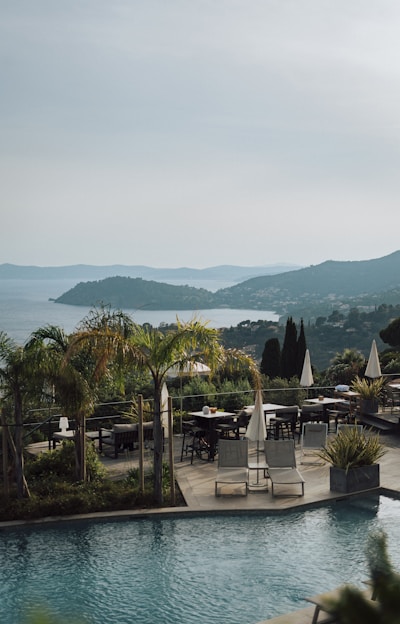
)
(197, 481)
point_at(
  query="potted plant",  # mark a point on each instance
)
(353, 457)
(369, 391)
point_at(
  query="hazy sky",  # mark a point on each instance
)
(199, 132)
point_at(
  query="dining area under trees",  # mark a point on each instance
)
(111, 360)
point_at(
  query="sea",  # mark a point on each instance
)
(26, 305)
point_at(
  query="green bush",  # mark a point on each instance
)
(69, 499)
(52, 495)
(235, 395)
(198, 392)
(51, 466)
(282, 391)
(133, 480)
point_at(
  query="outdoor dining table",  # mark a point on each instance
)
(209, 423)
(326, 402)
(271, 411)
(350, 397)
(69, 434)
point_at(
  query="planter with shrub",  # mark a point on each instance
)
(354, 460)
(369, 391)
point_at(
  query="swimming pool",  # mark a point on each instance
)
(230, 569)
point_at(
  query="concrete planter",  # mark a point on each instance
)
(355, 479)
(369, 406)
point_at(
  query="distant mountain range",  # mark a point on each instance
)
(306, 292)
(81, 272)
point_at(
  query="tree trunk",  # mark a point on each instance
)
(83, 474)
(22, 489)
(158, 447)
(80, 448)
(171, 453)
(141, 443)
(4, 437)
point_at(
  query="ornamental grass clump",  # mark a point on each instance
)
(351, 448)
(368, 389)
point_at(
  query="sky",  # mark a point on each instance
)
(199, 132)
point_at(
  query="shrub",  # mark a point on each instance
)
(133, 480)
(284, 391)
(69, 499)
(368, 389)
(60, 464)
(235, 394)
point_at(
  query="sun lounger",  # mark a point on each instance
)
(232, 464)
(281, 461)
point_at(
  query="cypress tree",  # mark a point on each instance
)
(271, 358)
(289, 350)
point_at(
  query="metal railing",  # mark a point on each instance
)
(50, 422)
(189, 402)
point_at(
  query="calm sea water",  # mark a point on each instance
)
(228, 569)
(25, 306)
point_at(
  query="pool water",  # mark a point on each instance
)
(227, 569)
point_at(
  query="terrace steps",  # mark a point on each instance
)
(384, 422)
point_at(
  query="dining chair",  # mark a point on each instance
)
(288, 418)
(194, 441)
(311, 413)
(393, 399)
(228, 428)
(347, 427)
(243, 419)
(313, 438)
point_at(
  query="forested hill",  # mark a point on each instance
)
(331, 281)
(307, 292)
(136, 293)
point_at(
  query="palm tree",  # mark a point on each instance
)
(20, 380)
(345, 366)
(72, 382)
(114, 336)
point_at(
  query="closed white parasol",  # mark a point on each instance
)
(373, 369)
(256, 429)
(306, 379)
(164, 409)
